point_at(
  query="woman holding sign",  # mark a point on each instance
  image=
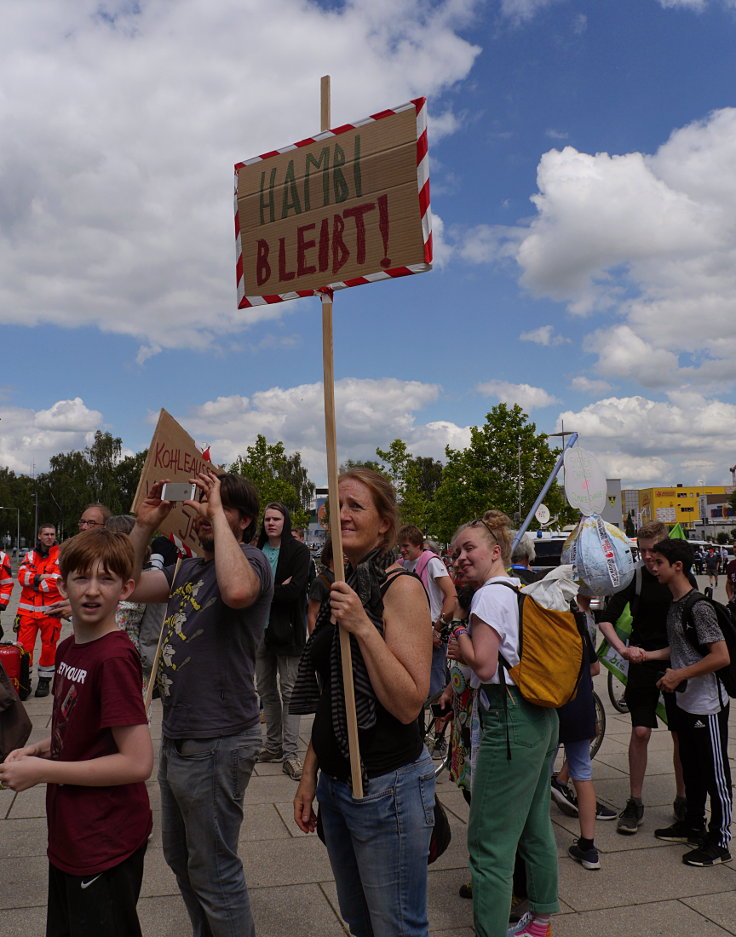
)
(510, 805)
(378, 844)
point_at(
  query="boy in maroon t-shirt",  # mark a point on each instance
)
(99, 754)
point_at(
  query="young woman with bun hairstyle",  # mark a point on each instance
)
(510, 803)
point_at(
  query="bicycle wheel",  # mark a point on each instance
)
(438, 743)
(616, 693)
(600, 725)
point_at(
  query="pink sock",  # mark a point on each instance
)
(538, 926)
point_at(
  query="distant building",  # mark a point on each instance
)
(677, 505)
(716, 515)
(612, 513)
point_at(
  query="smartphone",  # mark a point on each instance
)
(179, 491)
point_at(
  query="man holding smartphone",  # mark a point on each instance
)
(217, 608)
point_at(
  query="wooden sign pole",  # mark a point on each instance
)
(334, 497)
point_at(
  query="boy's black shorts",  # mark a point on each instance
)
(642, 695)
(101, 905)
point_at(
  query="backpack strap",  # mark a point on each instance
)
(691, 635)
(392, 577)
(422, 563)
(688, 625)
(634, 601)
(503, 664)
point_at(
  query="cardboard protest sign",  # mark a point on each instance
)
(348, 206)
(172, 455)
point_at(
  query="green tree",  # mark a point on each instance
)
(361, 463)
(277, 477)
(722, 537)
(16, 495)
(128, 474)
(97, 473)
(504, 467)
(429, 474)
(412, 478)
(64, 491)
(104, 456)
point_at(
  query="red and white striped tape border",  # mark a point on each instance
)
(182, 547)
(420, 105)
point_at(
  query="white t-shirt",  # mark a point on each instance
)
(498, 607)
(436, 569)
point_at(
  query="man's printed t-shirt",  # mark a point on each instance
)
(701, 695)
(97, 685)
(209, 650)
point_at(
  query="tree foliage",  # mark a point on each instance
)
(504, 467)
(415, 478)
(277, 477)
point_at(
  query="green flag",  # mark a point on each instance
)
(677, 533)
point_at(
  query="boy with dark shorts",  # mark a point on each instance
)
(649, 601)
(99, 754)
(697, 650)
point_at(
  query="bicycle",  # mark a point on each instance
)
(600, 725)
(616, 691)
(437, 743)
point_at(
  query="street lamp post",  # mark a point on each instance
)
(17, 538)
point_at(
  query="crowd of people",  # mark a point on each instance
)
(249, 631)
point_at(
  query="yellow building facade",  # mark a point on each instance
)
(678, 505)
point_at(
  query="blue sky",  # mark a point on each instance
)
(583, 173)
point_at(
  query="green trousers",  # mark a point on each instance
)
(510, 809)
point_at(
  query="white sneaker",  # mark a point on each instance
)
(292, 767)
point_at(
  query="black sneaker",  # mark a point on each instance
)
(630, 818)
(603, 812)
(706, 855)
(588, 858)
(43, 686)
(564, 797)
(680, 832)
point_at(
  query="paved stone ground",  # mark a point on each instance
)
(642, 889)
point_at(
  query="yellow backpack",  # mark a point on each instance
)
(550, 653)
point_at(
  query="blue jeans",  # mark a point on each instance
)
(378, 849)
(202, 785)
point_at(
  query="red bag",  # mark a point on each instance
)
(16, 663)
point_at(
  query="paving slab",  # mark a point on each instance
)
(639, 877)
(720, 908)
(26, 837)
(654, 919)
(642, 890)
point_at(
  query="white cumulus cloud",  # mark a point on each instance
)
(525, 395)
(650, 240)
(28, 439)
(125, 121)
(544, 335)
(588, 385)
(368, 413)
(645, 441)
